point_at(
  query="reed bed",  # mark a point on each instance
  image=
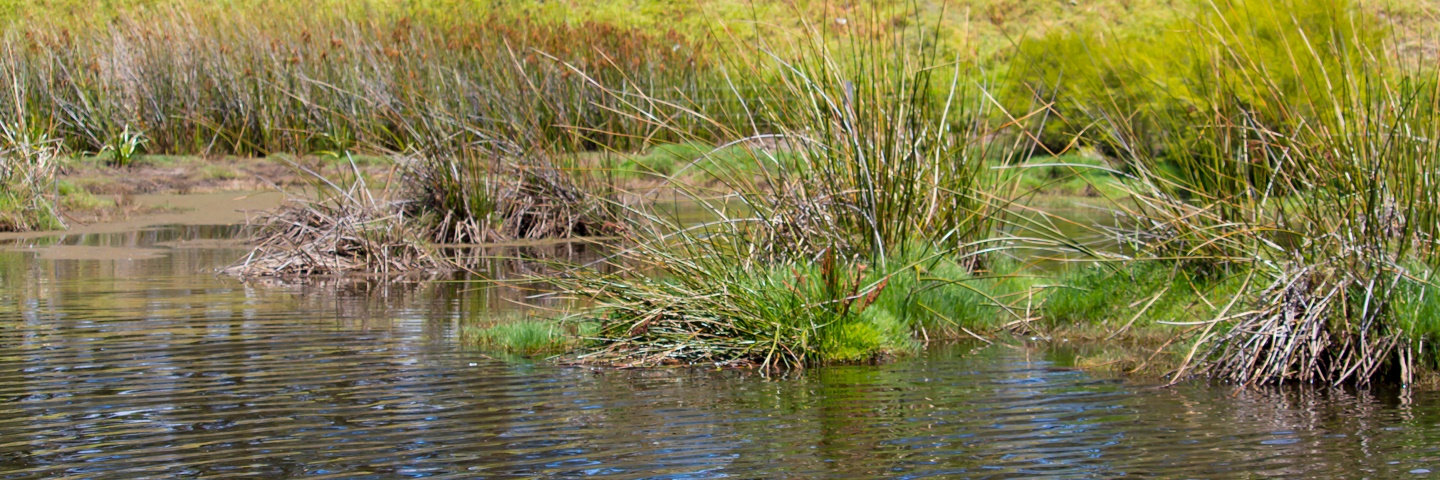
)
(196, 80)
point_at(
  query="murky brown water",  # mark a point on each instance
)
(145, 364)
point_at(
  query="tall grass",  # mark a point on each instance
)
(203, 81)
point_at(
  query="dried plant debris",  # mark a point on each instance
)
(336, 236)
(483, 197)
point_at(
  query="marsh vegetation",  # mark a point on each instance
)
(865, 180)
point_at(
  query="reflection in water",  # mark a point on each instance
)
(156, 367)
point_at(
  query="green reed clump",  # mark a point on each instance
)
(28, 164)
(1315, 184)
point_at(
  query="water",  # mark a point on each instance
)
(134, 361)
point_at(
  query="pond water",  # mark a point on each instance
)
(121, 355)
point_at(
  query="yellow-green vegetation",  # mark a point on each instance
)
(983, 27)
(1181, 67)
(1298, 157)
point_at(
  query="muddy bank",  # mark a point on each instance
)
(183, 175)
(216, 208)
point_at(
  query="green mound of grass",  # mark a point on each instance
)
(525, 338)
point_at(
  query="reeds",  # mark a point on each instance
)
(28, 164)
(197, 80)
(784, 315)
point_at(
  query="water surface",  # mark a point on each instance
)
(134, 360)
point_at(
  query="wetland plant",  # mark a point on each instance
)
(1320, 192)
(524, 337)
(790, 314)
(124, 146)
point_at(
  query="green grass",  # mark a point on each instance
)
(76, 198)
(524, 337)
(1095, 294)
(218, 172)
(791, 314)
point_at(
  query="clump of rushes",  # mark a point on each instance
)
(1320, 193)
(27, 181)
(862, 228)
(336, 230)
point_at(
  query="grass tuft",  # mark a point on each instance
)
(525, 337)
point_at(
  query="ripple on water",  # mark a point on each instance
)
(153, 369)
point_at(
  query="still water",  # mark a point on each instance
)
(122, 356)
